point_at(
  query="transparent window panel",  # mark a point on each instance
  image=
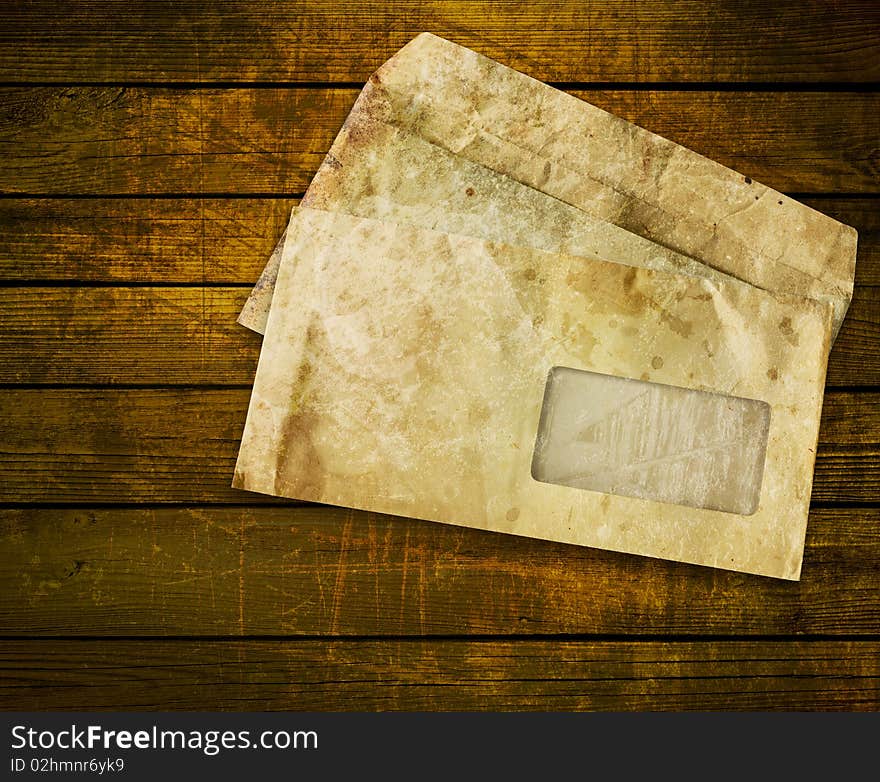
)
(656, 442)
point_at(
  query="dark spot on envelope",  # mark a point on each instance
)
(680, 326)
(304, 372)
(313, 332)
(787, 331)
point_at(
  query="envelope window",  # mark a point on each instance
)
(652, 441)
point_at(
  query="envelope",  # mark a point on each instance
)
(485, 113)
(376, 170)
(445, 377)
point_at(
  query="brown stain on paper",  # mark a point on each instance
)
(785, 328)
(633, 300)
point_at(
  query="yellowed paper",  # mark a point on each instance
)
(483, 112)
(404, 371)
(378, 171)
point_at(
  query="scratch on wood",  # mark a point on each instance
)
(403, 573)
(374, 564)
(340, 571)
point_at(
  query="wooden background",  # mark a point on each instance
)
(151, 152)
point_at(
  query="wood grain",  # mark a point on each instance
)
(146, 140)
(323, 40)
(189, 335)
(179, 445)
(439, 675)
(177, 240)
(127, 335)
(324, 571)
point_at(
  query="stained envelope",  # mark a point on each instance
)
(403, 371)
(486, 113)
(501, 307)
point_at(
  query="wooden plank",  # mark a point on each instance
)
(439, 675)
(120, 446)
(179, 445)
(201, 240)
(323, 40)
(126, 335)
(116, 140)
(324, 571)
(219, 240)
(147, 140)
(189, 335)
(851, 362)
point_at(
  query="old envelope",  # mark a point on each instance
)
(483, 112)
(379, 171)
(445, 377)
